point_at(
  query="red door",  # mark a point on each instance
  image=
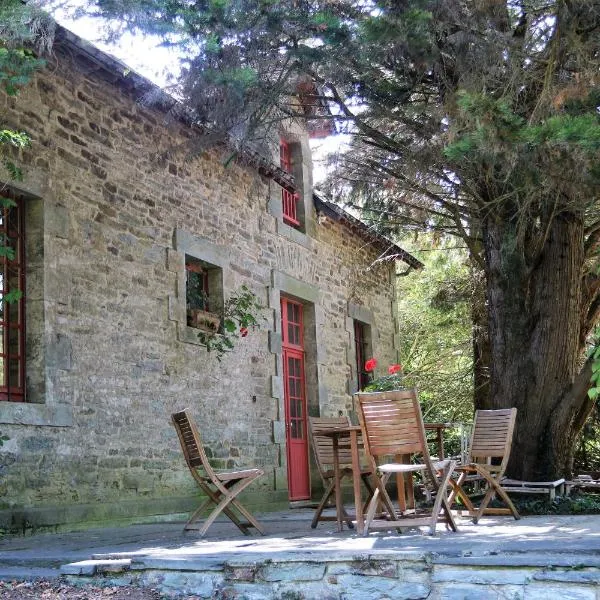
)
(295, 400)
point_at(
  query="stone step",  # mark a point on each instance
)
(27, 573)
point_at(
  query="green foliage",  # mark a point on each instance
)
(240, 314)
(492, 126)
(385, 383)
(434, 313)
(17, 66)
(23, 28)
(575, 504)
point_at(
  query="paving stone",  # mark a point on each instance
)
(571, 576)
(565, 592)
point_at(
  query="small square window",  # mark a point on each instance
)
(203, 294)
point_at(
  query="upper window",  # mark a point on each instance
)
(203, 294)
(362, 338)
(12, 313)
(288, 199)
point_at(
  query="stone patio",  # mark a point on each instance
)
(500, 558)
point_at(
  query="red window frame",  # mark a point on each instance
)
(289, 200)
(292, 326)
(12, 314)
(361, 348)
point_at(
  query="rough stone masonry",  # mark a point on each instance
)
(115, 198)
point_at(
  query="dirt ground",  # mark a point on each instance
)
(57, 590)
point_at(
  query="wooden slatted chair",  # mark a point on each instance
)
(392, 426)
(323, 453)
(491, 441)
(221, 489)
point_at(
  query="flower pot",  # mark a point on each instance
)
(204, 320)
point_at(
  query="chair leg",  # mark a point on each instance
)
(370, 490)
(249, 516)
(459, 493)
(494, 488)
(375, 500)
(225, 502)
(441, 501)
(328, 492)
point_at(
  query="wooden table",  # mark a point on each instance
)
(336, 434)
(439, 435)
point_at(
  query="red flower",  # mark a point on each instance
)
(393, 369)
(243, 331)
(370, 364)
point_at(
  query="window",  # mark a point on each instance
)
(203, 293)
(363, 350)
(12, 314)
(288, 199)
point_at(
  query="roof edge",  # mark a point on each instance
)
(391, 249)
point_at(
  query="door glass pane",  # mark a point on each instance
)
(297, 429)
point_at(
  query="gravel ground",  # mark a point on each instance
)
(57, 590)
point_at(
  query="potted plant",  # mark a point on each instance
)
(240, 314)
(198, 315)
(384, 383)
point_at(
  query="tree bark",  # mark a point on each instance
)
(534, 312)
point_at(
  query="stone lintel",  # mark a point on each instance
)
(294, 287)
(360, 313)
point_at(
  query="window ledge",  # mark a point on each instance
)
(190, 335)
(21, 413)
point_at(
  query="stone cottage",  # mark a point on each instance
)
(112, 224)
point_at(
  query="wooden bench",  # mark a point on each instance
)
(583, 482)
(535, 487)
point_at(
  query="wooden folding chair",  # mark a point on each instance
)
(220, 488)
(392, 426)
(323, 453)
(490, 442)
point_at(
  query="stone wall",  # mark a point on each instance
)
(116, 197)
(376, 575)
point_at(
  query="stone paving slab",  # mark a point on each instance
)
(163, 552)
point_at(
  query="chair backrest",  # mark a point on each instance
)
(191, 443)
(392, 424)
(492, 436)
(323, 446)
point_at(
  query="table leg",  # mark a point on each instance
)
(338, 488)
(440, 443)
(358, 507)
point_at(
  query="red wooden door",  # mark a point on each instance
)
(295, 400)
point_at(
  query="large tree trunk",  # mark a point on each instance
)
(534, 309)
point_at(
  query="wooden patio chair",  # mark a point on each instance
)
(323, 453)
(392, 426)
(489, 452)
(221, 489)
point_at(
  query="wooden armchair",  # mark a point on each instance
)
(323, 453)
(221, 489)
(392, 426)
(490, 443)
